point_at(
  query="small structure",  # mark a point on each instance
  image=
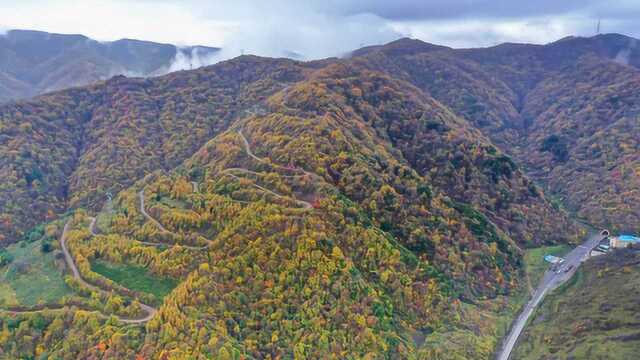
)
(624, 241)
(556, 262)
(553, 259)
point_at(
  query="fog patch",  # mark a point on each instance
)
(192, 58)
(306, 36)
(624, 55)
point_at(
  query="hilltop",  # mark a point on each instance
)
(565, 111)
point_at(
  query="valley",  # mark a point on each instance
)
(550, 280)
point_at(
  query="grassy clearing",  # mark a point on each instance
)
(32, 277)
(135, 278)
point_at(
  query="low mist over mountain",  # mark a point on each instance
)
(34, 62)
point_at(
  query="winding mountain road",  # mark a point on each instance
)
(247, 149)
(551, 280)
(60, 308)
(147, 216)
(303, 204)
(149, 310)
(163, 229)
(92, 226)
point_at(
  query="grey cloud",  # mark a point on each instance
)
(310, 36)
(454, 9)
(332, 27)
(321, 28)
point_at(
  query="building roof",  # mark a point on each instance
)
(629, 238)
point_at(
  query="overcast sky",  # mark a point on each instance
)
(322, 28)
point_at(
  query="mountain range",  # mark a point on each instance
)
(35, 62)
(377, 205)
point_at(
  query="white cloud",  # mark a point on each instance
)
(313, 37)
(186, 59)
(112, 20)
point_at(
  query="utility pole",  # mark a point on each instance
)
(598, 28)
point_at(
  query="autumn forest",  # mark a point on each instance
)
(378, 205)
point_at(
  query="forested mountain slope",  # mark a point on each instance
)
(315, 224)
(35, 62)
(583, 140)
(363, 207)
(107, 136)
(518, 95)
(71, 148)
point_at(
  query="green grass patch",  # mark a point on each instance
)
(135, 278)
(7, 295)
(32, 277)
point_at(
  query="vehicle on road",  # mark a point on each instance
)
(555, 260)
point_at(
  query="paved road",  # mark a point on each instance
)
(550, 281)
